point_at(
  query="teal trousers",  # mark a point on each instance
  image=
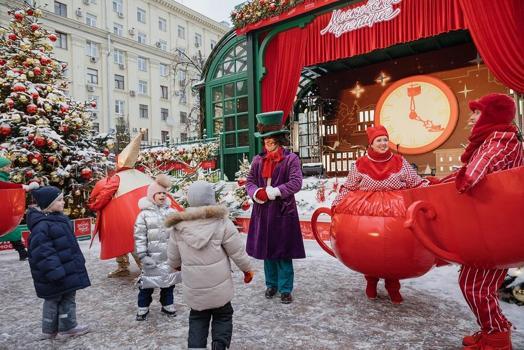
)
(279, 274)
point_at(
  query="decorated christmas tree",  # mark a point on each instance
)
(46, 134)
(240, 193)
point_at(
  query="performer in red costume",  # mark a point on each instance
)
(380, 170)
(115, 199)
(493, 146)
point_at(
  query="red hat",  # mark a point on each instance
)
(496, 109)
(376, 131)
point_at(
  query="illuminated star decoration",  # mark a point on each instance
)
(478, 60)
(465, 91)
(357, 90)
(383, 79)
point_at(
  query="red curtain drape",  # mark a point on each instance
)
(497, 28)
(284, 60)
(417, 19)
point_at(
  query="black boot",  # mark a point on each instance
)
(286, 298)
(270, 292)
(218, 345)
(19, 247)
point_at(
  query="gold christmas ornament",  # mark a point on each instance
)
(17, 178)
(16, 118)
(39, 167)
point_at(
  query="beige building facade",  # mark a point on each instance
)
(121, 53)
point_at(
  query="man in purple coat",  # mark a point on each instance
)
(274, 230)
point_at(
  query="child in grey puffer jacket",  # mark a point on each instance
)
(202, 241)
(151, 239)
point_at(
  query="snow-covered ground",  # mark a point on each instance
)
(330, 311)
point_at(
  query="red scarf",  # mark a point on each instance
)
(270, 161)
(379, 166)
(479, 134)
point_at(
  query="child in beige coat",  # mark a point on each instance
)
(201, 243)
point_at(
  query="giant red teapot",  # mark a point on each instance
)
(12, 207)
(367, 234)
(483, 227)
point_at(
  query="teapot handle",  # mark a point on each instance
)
(314, 219)
(423, 237)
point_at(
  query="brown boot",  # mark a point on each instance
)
(371, 287)
(123, 267)
(496, 341)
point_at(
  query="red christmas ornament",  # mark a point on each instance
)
(241, 182)
(246, 205)
(50, 142)
(31, 108)
(29, 174)
(64, 108)
(35, 27)
(86, 173)
(12, 36)
(52, 37)
(19, 87)
(63, 128)
(51, 159)
(9, 102)
(29, 12)
(37, 156)
(39, 141)
(35, 95)
(106, 152)
(31, 137)
(93, 104)
(19, 16)
(5, 129)
(37, 71)
(2, 61)
(44, 60)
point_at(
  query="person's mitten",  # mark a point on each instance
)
(248, 276)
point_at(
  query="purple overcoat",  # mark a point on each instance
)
(274, 228)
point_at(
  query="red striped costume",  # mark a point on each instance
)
(500, 151)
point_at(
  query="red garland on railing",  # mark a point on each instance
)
(257, 10)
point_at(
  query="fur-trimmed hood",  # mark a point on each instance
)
(145, 203)
(196, 225)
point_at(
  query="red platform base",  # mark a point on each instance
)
(305, 227)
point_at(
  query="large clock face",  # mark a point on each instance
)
(419, 112)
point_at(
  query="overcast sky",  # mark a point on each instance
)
(218, 10)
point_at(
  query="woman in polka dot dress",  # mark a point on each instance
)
(380, 170)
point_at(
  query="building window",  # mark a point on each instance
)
(60, 9)
(92, 76)
(164, 113)
(162, 24)
(118, 6)
(183, 137)
(164, 91)
(182, 78)
(162, 45)
(145, 134)
(91, 20)
(235, 61)
(183, 117)
(119, 82)
(141, 15)
(142, 87)
(91, 49)
(183, 97)
(142, 38)
(365, 120)
(142, 109)
(118, 56)
(118, 29)
(198, 40)
(213, 44)
(119, 107)
(164, 70)
(181, 32)
(142, 64)
(165, 136)
(61, 40)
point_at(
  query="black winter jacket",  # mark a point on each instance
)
(56, 261)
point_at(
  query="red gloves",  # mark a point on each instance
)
(248, 276)
(261, 195)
